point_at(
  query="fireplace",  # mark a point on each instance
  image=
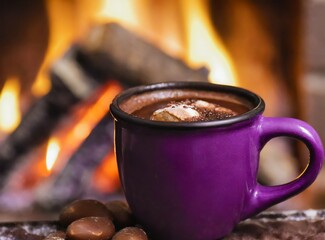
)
(64, 61)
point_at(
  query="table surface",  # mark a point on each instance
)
(309, 224)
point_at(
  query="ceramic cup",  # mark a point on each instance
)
(197, 180)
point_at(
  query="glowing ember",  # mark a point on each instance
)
(106, 178)
(52, 153)
(9, 105)
(83, 120)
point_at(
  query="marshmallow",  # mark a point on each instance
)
(175, 113)
(204, 105)
(191, 110)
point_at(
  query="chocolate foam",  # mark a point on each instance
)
(139, 101)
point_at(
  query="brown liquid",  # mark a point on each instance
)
(227, 109)
(226, 105)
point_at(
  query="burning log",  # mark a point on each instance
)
(36, 125)
(72, 182)
(112, 51)
(108, 52)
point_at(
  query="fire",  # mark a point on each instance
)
(204, 45)
(68, 20)
(53, 150)
(9, 105)
(70, 136)
(59, 38)
(122, 11)
(106, 178)
(200, 42)
(181, 28)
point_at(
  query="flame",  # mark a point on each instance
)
(91, 116)
(186, 31)
(52, 153)
(200, 41)
(204, 44)
(68, 20)
(61, 33)
(122, 11)
(84, 119)
(181, 28)
(9, 105)
(106, 178)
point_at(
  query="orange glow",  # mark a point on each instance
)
(9, 105)
(61, 35)
(68, 20)
(158, 22)
(122, 11)
(194, 37)
(52, 152)
(181, 28)
(83, 120)
(106, 178)
(204, 45)
(50, 158)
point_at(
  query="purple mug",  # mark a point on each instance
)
(197, 180)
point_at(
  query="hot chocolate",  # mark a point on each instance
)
(185, 105)
(166, 168)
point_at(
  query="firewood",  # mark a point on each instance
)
(117, 54)
(111, 50)
(74, 180)
(35, 126)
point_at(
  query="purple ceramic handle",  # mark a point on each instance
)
(262, 197)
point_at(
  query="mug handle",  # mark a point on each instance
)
(261, 197)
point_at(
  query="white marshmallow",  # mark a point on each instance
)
(175, 113)
(204, 105)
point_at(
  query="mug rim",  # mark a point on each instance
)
(119, 114)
